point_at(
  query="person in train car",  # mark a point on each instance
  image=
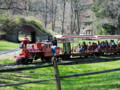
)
(110, 44)
(98, 42)
(113, 44)
(93, 46)
(98, 46)
(54, 45)
(84, 46)
(118, 42)
(78, 48)
(89, 46)
(106, 45)
(102, 45)
(82, 50)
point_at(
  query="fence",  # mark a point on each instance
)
(57, 77)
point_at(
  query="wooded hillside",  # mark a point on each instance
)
(68, 16)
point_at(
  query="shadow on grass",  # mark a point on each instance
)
(94, 84)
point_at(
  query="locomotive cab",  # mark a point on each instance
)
(46, 47)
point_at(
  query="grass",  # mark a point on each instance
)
(6, 45)
(107, 81)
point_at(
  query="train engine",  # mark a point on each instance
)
(35, 51)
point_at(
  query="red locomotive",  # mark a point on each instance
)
(38, 50)
(43, 49)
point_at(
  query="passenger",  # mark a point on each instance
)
(118, 42)
(93, 46)
(98, 43)
(113, 44)
(98, 46)
(84, 46)
(106, 45)
(78, 48)
(54, 42)
(110, 44)
(106, 41)
(102, 45)
(89, 46)
(82, 50)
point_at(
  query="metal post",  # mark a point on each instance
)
(56, 73)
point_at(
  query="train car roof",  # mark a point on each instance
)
(87, 36)
(73, 36)
(107, 36)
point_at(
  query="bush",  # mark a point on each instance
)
(106, 29)
(109, 29)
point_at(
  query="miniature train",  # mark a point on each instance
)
(43, 50)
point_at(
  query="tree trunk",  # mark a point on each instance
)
(71, 31)
(52, 16)
(46, 14)
(75, 29)
(63, 17)
(118, 26)
(78, 22)
(54, 22)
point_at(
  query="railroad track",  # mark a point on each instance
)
(69, 62)
(13, 64)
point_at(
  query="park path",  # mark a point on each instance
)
(9, 51)
(8, 54)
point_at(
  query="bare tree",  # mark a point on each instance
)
(50, 12)
(63, 17)
(46, 13)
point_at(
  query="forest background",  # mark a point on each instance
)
(65, 16)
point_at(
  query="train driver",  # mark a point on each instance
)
(54, 42)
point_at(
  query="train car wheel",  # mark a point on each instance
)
(30, 60)
(115, 53)
(42, 59)
(47, 59)
(86, 56)
(68, 57)
(91, 55)
(26, 61)
(97, 54)
(19, 60)
(23, 61)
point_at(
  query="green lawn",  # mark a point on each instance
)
(5, 45)
(107, 81)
